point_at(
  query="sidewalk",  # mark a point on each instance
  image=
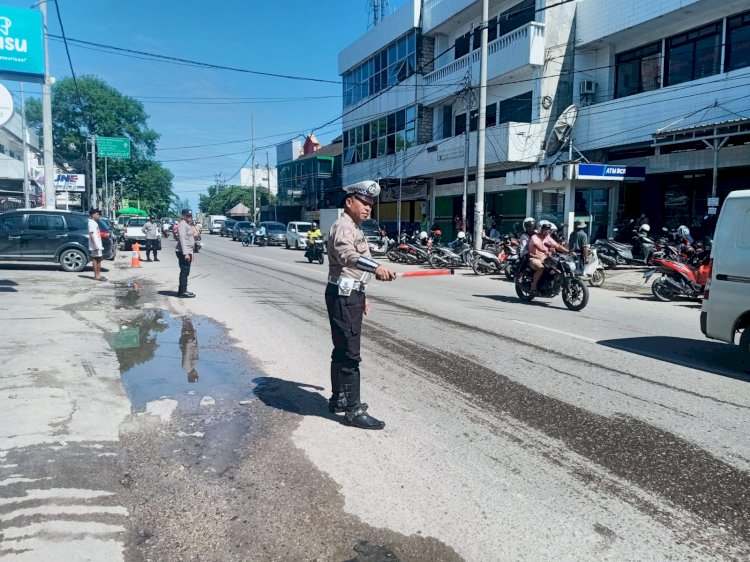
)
(626, 279)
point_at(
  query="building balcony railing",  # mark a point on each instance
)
(634, 119)
(508, 145)
(519, 48)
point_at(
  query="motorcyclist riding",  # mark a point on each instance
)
(259, 233)
(540, 247)
(529, 227)
(314, 233)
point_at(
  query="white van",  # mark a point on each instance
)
(726, 300)
(296, 234)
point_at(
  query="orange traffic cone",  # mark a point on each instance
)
(135, 261)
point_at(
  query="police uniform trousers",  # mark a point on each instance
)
(184, 271)
(345, 315)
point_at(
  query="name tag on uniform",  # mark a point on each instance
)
(346, 286)
(362, 246)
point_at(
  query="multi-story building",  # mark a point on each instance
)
(264, 176)
(12, 165)
(309, 177)
(410, 81)
(663, 91)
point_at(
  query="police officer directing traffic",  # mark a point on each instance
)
(350, 268)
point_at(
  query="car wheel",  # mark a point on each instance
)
(73, 260)
(745, 340)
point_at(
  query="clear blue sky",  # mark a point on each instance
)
(284, 36)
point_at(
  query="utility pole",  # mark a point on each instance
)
(252, 154)
(49, 169)
(26, 201)
(469, 102)
(93, 172)
(106, 188)
(481, 132)
(268, 171)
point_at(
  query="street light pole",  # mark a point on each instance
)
(481, 132)
(49, 170)
(26, 200)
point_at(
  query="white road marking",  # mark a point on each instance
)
(65, 510)
(576, 336)
(55, 493)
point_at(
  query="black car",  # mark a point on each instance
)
(371, 230)
(50, 236)
(227, 227)
(276, 232)
(109, 240)
(241, 228)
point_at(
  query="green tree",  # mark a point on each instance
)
(103, 111)
(220, 199)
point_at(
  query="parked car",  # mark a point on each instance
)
(296, 234)
(227, 227)
(241, 228)
(109, 240)
(45, 235)
(134, 233)
(725, 312)
(371, 228)
(276, 232)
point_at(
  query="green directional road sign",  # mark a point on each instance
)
(113, 147)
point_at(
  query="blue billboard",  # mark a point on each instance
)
(21, 44)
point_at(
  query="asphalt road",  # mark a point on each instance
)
(514, 431)
(524, 431)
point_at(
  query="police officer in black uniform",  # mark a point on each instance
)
(350, 267)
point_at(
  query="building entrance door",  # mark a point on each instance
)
(592, 206)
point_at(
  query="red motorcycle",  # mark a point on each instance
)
(679, 279)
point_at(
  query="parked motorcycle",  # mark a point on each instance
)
(679, 279)
(442, 256)
(485, 262)
(559, 277)
(314, 251)
(594, 270)
(409, 253)
(382, 249)
(641, 252)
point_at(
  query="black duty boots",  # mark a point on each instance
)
(337, 403)
(356, 412)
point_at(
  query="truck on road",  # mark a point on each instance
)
(213, 223)
(327, 218)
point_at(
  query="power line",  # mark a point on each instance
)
(67, 52)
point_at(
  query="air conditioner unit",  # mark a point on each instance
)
(587, 88)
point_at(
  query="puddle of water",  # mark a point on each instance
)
(182, 358)
(128, 295)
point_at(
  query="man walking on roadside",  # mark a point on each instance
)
(95, 243)
(349, 268)
(185, 252)
(152, 238)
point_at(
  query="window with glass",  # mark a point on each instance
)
(517, 16)
(694, 54)
(459, 121)
(516, 109)
(476, 38)
(383, 136)
(45, 222)
(638, 70)
(387, 67)
(738, 42)
(462, 46)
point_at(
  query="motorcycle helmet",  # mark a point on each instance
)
(438, 232)
(461, 235)
(314, 226)
(645, 228)
(683, 231)
(529, 220)
(423, 235)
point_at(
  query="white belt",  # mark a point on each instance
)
(358, 285)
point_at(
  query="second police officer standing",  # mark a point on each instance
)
(350, 267)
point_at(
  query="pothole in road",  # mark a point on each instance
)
(186, 370)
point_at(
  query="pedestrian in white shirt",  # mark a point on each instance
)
(96, 248)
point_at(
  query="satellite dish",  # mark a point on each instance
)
(561, 131)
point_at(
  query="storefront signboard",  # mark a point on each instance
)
(713, 201)
(610, 173)
(21, 44)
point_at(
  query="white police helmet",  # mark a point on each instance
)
(367, 190)
(422, 235)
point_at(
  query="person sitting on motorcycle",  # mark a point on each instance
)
(260, 232)
(541, 247)
(459, 241)
(314, 233)
(423, 239)
(529, 227)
